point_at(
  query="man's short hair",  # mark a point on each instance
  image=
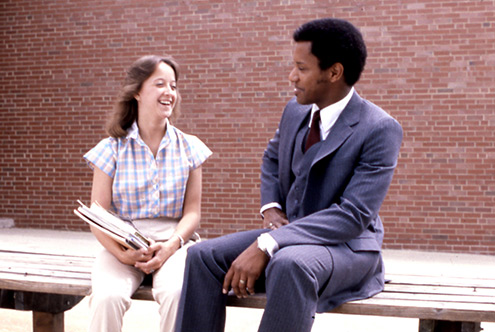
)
(335, 40)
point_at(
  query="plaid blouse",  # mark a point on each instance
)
(145, 186)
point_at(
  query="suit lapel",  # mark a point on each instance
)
(297, 120)
(342, 129)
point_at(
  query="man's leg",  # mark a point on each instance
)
(202, 304)
(294, 277)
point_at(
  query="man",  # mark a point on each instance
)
(321, 190)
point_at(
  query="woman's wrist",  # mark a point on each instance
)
(180, 238)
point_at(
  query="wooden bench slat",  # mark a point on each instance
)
(433, 280)
(465, 290)
(46, 270)
(31, 283)
(435, 297)
(474, 312)
(49, 259)
(42, 252)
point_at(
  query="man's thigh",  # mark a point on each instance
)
(302, 261)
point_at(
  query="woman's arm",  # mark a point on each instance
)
(102, 193)
(191, 213)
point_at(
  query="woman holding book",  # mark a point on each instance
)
(148, 171)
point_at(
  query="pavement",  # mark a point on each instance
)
(143, 316)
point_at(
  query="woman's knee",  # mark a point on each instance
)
(103, 299)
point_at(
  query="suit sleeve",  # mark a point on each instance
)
(363, 193)
(270, 190)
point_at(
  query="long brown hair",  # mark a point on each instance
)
(126, 109)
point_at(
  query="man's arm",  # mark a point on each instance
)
(361, 198)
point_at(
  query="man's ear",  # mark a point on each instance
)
(336, 72)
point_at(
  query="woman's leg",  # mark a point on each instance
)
(167, 287)
(113, 284)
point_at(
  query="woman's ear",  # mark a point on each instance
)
(136, 96)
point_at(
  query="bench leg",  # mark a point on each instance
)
(430, 325)
(48, 322)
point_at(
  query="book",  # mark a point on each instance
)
(120, 229)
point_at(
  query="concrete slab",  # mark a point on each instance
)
(6, 223)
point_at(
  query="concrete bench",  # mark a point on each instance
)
(452, 297)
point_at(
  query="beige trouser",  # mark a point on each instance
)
(113, 283)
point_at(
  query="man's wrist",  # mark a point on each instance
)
(269, 206)
(267, 244)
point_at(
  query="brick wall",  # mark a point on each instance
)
(431, 65)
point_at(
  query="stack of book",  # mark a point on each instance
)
(120, 229)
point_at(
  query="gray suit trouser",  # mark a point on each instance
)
(293, 280)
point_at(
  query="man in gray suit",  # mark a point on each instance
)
(324, 177)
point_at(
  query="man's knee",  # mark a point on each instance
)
(298, 264)
(198, 251)
(287, 262)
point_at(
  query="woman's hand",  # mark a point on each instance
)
(160, 253)
(132, 257)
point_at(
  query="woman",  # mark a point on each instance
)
(148, 171)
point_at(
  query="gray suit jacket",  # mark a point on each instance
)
(347, 182)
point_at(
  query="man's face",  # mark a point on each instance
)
(311, 84)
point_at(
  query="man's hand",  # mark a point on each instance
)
(274, 218)
(245, 270)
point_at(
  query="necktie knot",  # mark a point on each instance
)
(314, 131)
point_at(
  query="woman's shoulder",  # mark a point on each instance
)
(194, 147)
(185, 138)
(109, 142)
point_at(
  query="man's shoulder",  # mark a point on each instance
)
(372, 112)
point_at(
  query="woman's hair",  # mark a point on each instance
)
(335, 40)
(126, 109)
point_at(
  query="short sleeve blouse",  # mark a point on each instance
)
(145, 186)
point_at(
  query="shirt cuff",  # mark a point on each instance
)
(269, 206)
(267, 244)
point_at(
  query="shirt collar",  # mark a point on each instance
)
(133, 133)
(331, 113)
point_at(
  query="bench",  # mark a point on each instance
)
(444, 296)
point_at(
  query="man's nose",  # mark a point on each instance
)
(293, 75)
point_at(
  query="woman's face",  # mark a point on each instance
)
(158, 94)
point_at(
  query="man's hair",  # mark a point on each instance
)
(335, 40)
